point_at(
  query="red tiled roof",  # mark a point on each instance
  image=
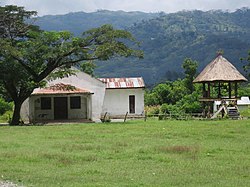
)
(113, 83)
(59, 88)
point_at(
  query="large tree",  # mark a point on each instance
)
(247, 67)
(29, 57)
(190, 70)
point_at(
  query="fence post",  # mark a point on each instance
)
(145, 117)
(125, 118)
(104, 118)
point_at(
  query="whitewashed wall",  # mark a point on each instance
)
(116, 101)
(80, 80)
(85, 81)
(39, 114)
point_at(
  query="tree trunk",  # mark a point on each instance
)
(16, 115)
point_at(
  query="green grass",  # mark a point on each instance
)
(245, 113)
(136, 153)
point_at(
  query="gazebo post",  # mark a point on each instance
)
(219, 91)
(204, 90)
(204, 109)
(236, 90)
(229, 90)
(208, 91)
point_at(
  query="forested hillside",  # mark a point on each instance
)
(81, 21)
(167, 39)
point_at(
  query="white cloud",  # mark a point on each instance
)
(64, 6)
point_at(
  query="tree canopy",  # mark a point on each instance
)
(29, 57)
(190, 70)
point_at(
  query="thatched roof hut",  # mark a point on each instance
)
(220, 69)
(219, 83)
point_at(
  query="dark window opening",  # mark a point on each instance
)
(131, 104)
(75, 102)
(45, 103)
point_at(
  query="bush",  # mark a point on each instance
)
(169, 109)
(245, 113)
(190, 103)
(5, 106)
(6, 117)
(152, 110)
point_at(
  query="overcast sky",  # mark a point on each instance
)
(52, 7)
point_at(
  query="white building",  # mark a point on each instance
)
(82, 97)
(243, 103)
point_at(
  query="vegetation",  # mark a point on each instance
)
(77, 22)
(5, 106)
(180, 96)
(29, 57)
(170, 38)
(135, 153)
(247, 66)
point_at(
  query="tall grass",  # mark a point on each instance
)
(135, 153)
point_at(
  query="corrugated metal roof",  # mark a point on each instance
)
(59, 88)
(116, 83)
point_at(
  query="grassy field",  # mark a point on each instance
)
(135, 153)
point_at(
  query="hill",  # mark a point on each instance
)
(81, 21)
(167, 39)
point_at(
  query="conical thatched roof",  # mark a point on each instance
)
(220, 69)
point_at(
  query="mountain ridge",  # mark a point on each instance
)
(166, 39)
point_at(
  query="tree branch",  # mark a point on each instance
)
(27, 68)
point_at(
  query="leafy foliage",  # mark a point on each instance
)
(167, 39)
(88, 67)
(28, 58)
(190, 68)
(5, 106)
(12, 21)
(170, 38)
(78, 22)
(247, 66)
(179, 96)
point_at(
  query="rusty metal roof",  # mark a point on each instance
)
(59, 88)
(116, 83)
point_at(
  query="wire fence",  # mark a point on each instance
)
(172, 116)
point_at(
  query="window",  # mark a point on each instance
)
(45, 103)
(75, 102)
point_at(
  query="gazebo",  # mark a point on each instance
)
(219, 81)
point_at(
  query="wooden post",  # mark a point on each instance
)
(229, 90)
(145, 117)
(125, 118)
(208, 90)
(204, 109)
(236, 89)
(204, 90)
(209, 111)
(219, 91)
(104, 118)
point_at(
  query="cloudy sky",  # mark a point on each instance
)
(45, 7)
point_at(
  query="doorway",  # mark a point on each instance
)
(60, 108)
(131, 104)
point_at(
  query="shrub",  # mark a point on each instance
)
(5, 106)
(152, 110)
(6, 117)
(169, 109)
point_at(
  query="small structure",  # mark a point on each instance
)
(81, 97)
(243, 103)
(220, 81)
(124, 95)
